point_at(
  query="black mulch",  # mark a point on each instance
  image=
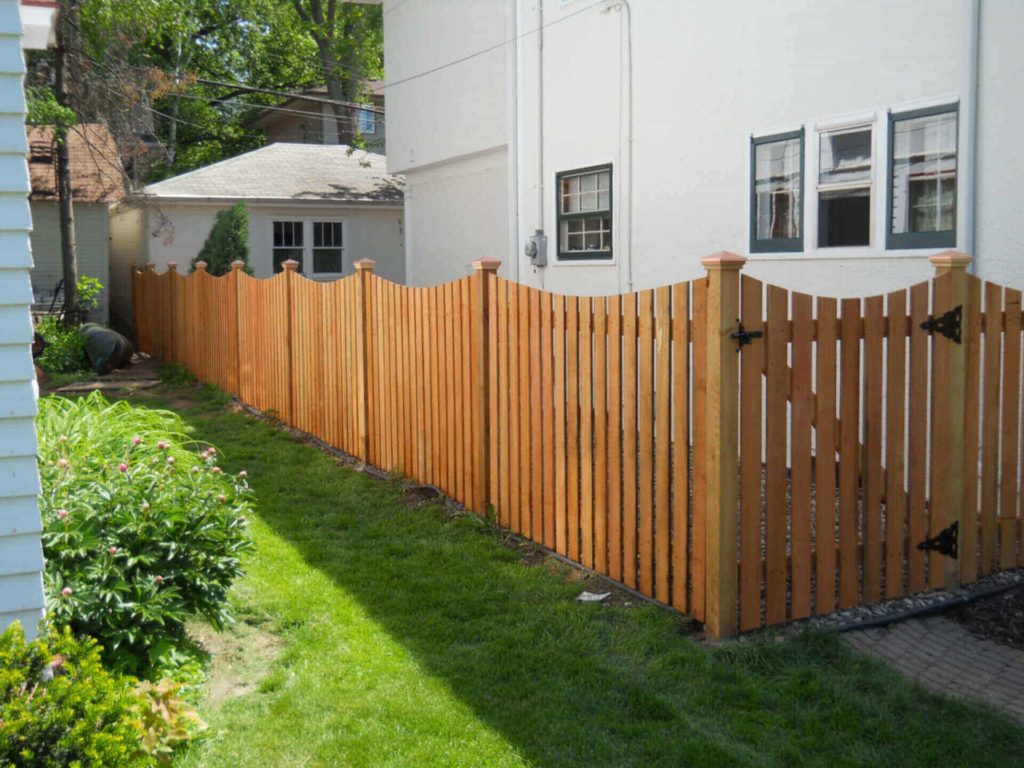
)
(999, 618)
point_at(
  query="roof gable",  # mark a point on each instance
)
(96, 174)
(290, 172)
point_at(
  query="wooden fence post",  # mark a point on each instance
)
(721, 452)
(171, 356)
(955, 265)
(484, 271)
(364, 273)
(236, 275)
(290, 267)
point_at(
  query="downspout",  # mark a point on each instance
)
(513, 147)
(626, 130)
(970, 129)
(540, 127)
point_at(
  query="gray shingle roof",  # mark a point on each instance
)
(290, 172)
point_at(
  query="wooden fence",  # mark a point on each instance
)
(740, 452)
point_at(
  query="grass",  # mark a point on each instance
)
(412, 638)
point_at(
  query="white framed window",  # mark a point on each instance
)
(845, 173)
(288, 243)
(327, 248)
(585, 214)
(367, 121)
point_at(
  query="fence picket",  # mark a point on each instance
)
(825, 459)
(802, 418)
(874, 321)
(849, 450)
(752, 358)
(895, 446)
(1008, 527)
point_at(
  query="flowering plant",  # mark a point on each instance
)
(141, 528)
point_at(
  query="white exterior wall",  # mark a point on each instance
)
(21, 559)
(999, 245)
(367, 233)
(92, 238)
(455, 213)
(127, 249)
(670, 94)
(448, 131)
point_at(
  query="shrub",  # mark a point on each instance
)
(89, 289)
(228, 241)
(140, 530)
(65, 347)
(59, 707)
(176, 375)
(166, 721)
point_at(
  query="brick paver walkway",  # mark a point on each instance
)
(943, 656)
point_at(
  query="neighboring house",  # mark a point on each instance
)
(308, 119)
(21, 555)
(325, 206)
(839, 144)
(97, 182)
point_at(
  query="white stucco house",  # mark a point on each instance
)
(838, 144)
(327, 206)
(28, 24)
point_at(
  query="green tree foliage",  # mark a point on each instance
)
(228, 241)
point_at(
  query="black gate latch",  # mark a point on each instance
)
(944, 542)
(948, 324)
(743, 336)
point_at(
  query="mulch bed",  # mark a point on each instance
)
(999, 618)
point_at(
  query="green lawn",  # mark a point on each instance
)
(412, 638)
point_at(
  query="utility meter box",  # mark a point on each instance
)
(537, 249)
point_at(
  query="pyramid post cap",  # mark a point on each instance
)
(723, 260)
(486, 265)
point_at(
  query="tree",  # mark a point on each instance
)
(350, 41)
(228, 241)
(65, 203)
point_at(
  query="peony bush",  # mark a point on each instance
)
(142, 530)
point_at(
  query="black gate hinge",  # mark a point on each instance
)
(743, 336)
(944, 542)
(948, 324)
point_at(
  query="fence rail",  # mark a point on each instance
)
(740, 452)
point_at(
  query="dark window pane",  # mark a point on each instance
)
(327, 260)
(844, 218)
(281, 255)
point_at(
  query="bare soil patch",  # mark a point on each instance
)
(999, 618)
(240, 657)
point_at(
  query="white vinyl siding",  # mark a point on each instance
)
(21, 561)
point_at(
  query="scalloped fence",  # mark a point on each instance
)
(740, 452)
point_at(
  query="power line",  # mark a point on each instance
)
(494, 47)
(303, 96)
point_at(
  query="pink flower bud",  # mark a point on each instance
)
(62, 514)
(123, 467)
(66, 592)
(221, 498)
(112, 550)
(63, 438)
(243, 474)
(194, 470)
(211, 450)
(159, 579)
(216, 470)
(145, 506)
(162, 445)
(63, 463)
(136, 441)
(170, 459)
